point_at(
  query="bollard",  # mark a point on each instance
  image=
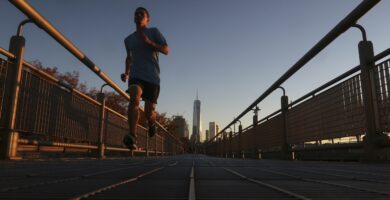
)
(259, 154)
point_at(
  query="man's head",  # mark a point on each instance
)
(141, 17)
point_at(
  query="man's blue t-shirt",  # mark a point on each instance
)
(144, 58)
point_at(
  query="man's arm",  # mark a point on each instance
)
(125, 75)
(161, 48)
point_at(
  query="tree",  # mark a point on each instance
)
(71, 78)
(166, 122)
(113, 100)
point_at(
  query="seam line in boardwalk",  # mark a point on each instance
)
(191, 193)
(324, 182)
(112, 186)
(343, 176)
(267, 185)
(62, 180)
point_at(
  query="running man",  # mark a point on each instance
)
(143, 71)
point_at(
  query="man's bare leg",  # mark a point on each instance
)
(133, 112)
(150, 115)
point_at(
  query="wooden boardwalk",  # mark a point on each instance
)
(191, 177)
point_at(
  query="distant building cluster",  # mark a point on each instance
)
(181, 127)
(212, 129)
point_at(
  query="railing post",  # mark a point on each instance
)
(8, 135)
(286, 149)
(147, 145)
(155, 147)
(230, 144)
(373, 138)
(240, 141)
(220, 146)
(254, 140)
(162, 145)
(101, 98)
(224, 144)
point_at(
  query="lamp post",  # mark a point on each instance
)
(101, 98)
(240, 148)
(9, 136)
(286, 149)
(255, 119)
(374, 138)
(255, 115)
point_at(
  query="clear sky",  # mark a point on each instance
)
(230, 51)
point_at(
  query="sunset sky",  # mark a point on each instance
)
(230, 51)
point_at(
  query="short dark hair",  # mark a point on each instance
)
(143, 9)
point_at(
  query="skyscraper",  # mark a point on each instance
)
(212, 129)
(196, 125)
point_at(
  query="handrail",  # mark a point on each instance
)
(339, 78)
(381, 55)
(44, 24)
(340, 28)
(7, 53)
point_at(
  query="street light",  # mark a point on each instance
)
(239, 127)
(101, 99)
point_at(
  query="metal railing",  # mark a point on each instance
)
(50, 114)
(353, 106)
(333, 110)
(382, 87)
(334, 113)
(340, 28)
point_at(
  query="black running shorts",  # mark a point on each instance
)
(150, 91)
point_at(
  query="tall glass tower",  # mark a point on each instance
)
(196, 125)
